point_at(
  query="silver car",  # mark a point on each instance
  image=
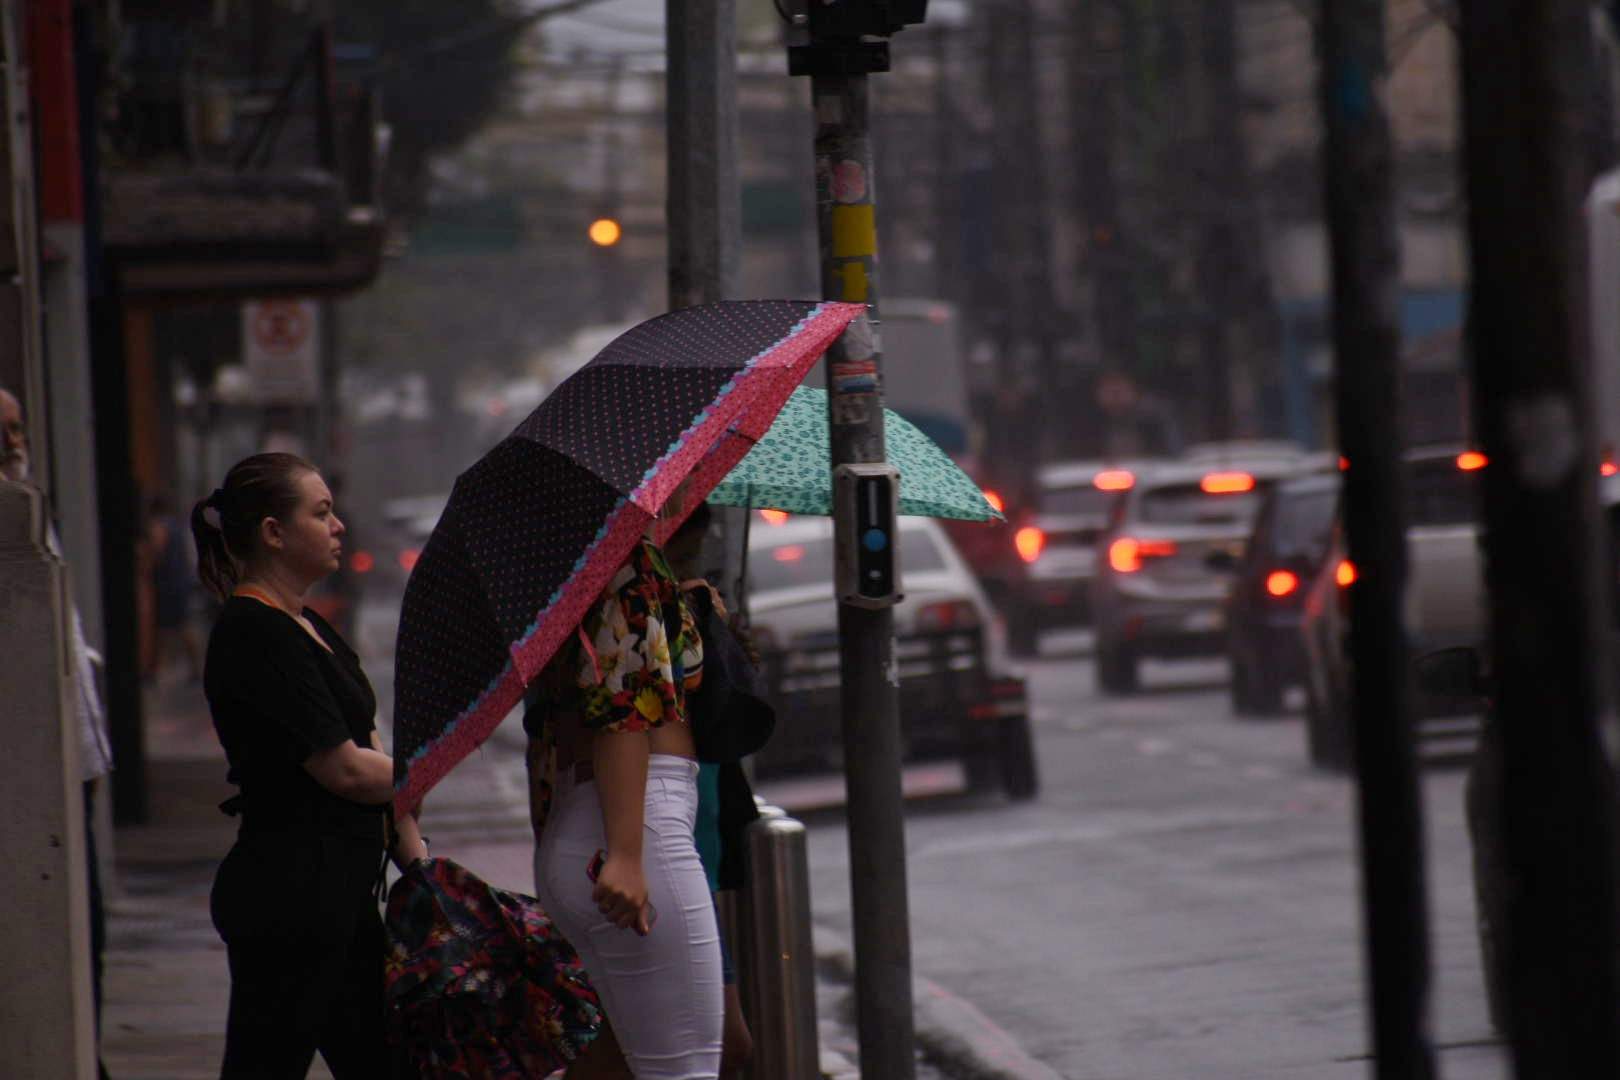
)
(958, 697)
(1168, 558)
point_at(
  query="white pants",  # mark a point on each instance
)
(661, 992)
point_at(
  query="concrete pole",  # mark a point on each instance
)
(1526, 74)
(704, 209)
(70, 483)
(1358, 165)
(846, 211)
(49, 1022)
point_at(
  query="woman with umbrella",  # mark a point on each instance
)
(294, 898)
(618, 810)
(543, 579)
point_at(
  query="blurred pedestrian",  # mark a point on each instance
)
(613, 785)
(95, 748)
(294, 899)
(173, 577)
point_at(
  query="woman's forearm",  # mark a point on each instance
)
(620, 762)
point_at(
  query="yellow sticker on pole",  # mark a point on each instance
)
(854, 231)
(853, 276)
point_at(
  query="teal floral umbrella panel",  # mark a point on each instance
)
(791, 468)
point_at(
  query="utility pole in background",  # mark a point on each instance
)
(1236, 329)
(1095, 42)
(1525, 80)
(1022, 256)
(838, 43)
(1358, 168)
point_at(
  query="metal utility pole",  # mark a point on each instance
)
(1358, 168)
(1095, 35)
(847, 41)
(1525, 73)
(704, 202)
(1023, 231)
(701, 102)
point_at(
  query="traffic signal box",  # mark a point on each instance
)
(846, 37)
(866, 565)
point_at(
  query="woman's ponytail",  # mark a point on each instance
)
(225, 525)
(215, 568)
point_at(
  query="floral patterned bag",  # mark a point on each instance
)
(479, 982)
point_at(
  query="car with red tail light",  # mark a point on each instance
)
(959, 698)
(1445, 605)
(1058, 546)
(1168, 557)
(1292, 538)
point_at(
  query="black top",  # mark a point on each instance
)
(277, 698)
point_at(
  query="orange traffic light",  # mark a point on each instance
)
(605, 232)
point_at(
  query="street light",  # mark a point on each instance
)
(605, 232)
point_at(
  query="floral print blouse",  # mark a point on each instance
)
(637, 656)
(642, 653)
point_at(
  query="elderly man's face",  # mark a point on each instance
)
(13, 439)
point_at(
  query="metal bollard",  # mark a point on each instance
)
(780, 987)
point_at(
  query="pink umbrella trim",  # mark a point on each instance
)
(708, 450)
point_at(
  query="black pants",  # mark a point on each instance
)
(305, 945)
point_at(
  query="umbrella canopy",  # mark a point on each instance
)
(791, 468)
(537, 527)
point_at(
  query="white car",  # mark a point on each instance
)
(958, 697)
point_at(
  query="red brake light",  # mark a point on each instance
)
(407, 559)
(1030, 542)
(361, 562)
(1125, 555)
(1609, 468)
(1280, 583)
(947, 615)
(1471, 461)
(1227, 483)
(1114, 480)
(997, 503)
(1344, 463)
(790, 553)
(774, 517)
(1345, 573)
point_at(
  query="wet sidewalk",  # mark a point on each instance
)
(166, 980)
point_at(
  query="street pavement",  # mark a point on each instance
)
(166, 982)
(1181, 900)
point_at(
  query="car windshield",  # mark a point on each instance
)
(1075, 500)
(1439, 493)
(1189, 504)
(1303, 524)
(810, 562)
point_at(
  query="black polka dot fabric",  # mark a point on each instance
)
(535, 528)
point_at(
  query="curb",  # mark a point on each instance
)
(959, 1038)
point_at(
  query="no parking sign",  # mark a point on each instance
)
(281, 348)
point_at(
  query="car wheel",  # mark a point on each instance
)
(979, 769)
(1242, 698)
(1016, 754)
(1116, 668)
(1023, 632)
(1327, 738)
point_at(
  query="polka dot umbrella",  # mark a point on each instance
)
(534, 529)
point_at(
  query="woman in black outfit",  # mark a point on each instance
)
(294, 899)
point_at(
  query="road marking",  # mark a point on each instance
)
(1154, 747)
